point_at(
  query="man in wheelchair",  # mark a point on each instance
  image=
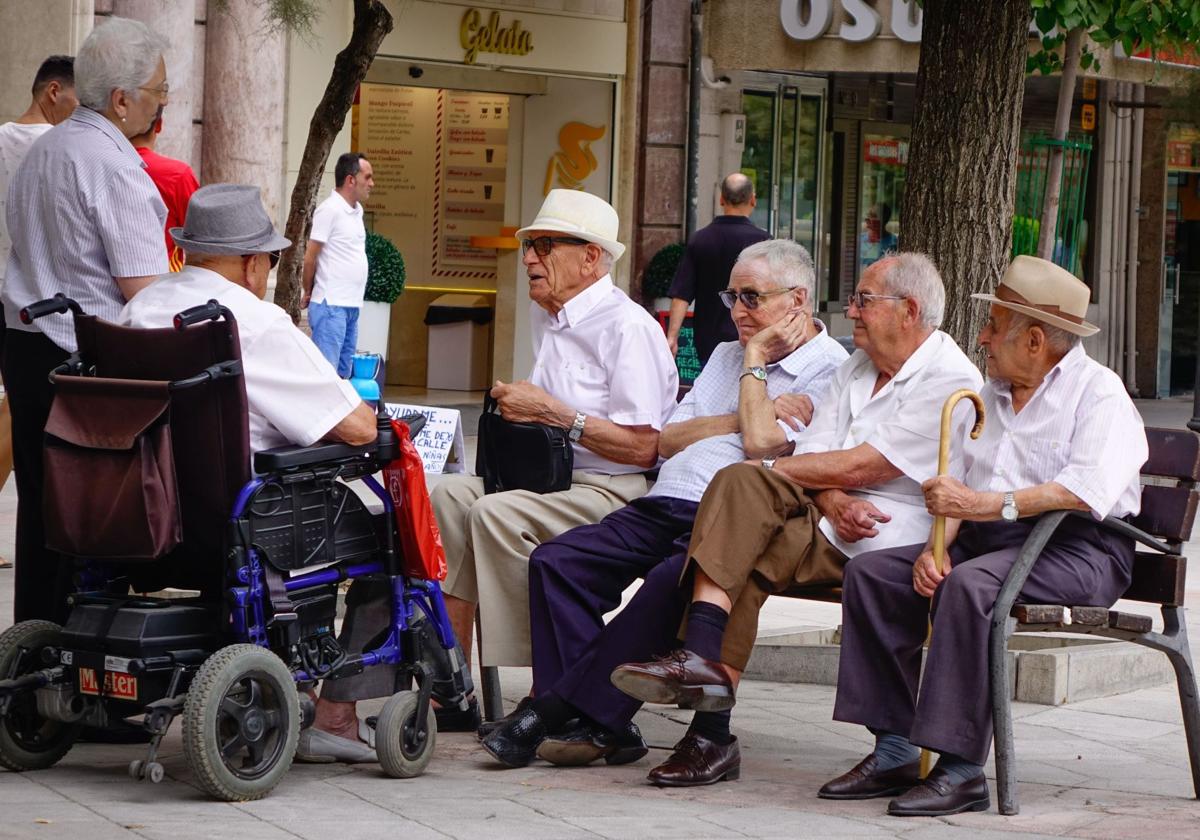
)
(149, 484)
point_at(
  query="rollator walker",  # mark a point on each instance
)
(149, 486)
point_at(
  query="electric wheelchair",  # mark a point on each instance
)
(149, 486)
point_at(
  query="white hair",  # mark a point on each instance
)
(788, 264)
(1061, 341)
(913, 275)
(121, 54)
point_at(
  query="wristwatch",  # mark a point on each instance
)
(768, 463)
(759, 373)
(1009, 512)
(576, 431)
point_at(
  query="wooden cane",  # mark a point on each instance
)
(939, 522)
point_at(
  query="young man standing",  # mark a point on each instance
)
(335, 262)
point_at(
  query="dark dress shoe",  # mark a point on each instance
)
(585, 742)
(938, 796)
(515, 743)
(459, 720)
(698, 761)
(488, 726)
(681, 677)
(864, 781)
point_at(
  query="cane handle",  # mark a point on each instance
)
(939, 523)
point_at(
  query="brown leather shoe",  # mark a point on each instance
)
(938, 796)
(681, 677)
(864, 781)
(698, 761)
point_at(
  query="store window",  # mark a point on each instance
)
(881, 194)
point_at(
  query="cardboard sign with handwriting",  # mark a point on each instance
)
(440, 441)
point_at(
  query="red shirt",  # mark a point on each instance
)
(176, 182)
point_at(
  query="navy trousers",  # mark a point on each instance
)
(884, 625)
(577, 577)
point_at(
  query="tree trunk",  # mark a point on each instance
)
(372, 22)
(1062, 122)
(962, 164)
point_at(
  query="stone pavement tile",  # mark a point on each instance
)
(26, 789)
(635, 827)
(214, 829)
(779, 822)
(504, 828)
(20, 829)
(390, 828)
(1160, 703)
(1110, 728)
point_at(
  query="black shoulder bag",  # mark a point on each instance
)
(521, 456)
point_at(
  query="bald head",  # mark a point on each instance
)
(737, 195)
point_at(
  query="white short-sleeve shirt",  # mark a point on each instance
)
(902, 422)
(294, 395)
(341, 276)
(1080, 429)
(15, 140)
(604, 355)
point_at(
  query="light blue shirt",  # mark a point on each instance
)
(808, 370)
(81, 211)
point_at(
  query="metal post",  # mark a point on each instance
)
(693, 162)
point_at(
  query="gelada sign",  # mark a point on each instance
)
(808, 20)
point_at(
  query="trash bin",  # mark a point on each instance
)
(458, 342)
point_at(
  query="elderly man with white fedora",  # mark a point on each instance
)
(1061, 433)
(602, 370)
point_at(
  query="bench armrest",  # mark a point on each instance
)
(1122, 527)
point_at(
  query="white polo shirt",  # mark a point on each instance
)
(605, 356)
(294, 395)
(1080, 429)
(341, 276)
(15, 140)
(902, 422)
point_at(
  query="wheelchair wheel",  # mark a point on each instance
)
(29, 741)
(241, 721)
(401, 754)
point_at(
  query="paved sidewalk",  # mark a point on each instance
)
(1110, 768)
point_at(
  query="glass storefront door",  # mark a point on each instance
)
(783, 156)
(1179, 313)
(884, 161)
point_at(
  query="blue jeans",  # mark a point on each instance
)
(335, 332)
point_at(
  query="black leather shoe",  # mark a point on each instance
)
(515, 743)
(864, 781)
(680, 678)
(459, 720)
(584, 743)
(488, 726)
(698, 761)
(938, 796)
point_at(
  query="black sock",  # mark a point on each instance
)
(705, 629)
(553, 710)
(712, 725)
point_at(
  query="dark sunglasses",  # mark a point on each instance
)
(542, 245)
(272, 255)
(749, 298)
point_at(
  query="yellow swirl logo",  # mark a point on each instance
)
(574, 161)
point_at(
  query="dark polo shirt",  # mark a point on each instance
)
(704, 271)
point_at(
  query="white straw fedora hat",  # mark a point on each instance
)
(581, 215)
(1045, 291)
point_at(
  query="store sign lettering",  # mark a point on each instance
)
(808, 20)
(492, 38)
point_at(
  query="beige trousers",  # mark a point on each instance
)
(488, 541)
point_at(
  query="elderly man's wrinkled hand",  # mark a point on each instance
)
(946, 496)
(856, 519)
(524, 402)
(781, 338)
(794, 409)
(926, 576)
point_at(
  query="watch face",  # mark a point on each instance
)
(1009, 513)
(758, 372)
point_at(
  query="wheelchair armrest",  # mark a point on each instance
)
(283, 458)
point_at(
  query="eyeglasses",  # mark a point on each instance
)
(860, 299)
(162, 91)
(542, 245)
(749, 297)
(273, 256)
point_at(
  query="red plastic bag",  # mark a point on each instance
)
(420, 540)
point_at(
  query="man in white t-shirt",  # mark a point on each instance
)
(294, 395)
(335, 262)
(53, 101)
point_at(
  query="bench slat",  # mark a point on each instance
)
(1167, 512)
(1091, 616)
(1038, 613)
(1132, 622)
(1174, 453)
(1158, 579)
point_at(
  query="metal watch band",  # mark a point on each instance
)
(576, 431)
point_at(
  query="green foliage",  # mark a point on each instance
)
(298, 16)
(661, 271)
(1133, 24)
(385, 270)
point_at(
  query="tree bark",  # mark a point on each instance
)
(962, 165)
(372, 22)
(1062, 122)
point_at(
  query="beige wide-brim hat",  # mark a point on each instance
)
(1042, 290)
(578, 214)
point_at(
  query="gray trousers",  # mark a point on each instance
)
(368, 612)
(884, 627)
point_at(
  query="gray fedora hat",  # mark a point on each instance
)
(227, 219)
